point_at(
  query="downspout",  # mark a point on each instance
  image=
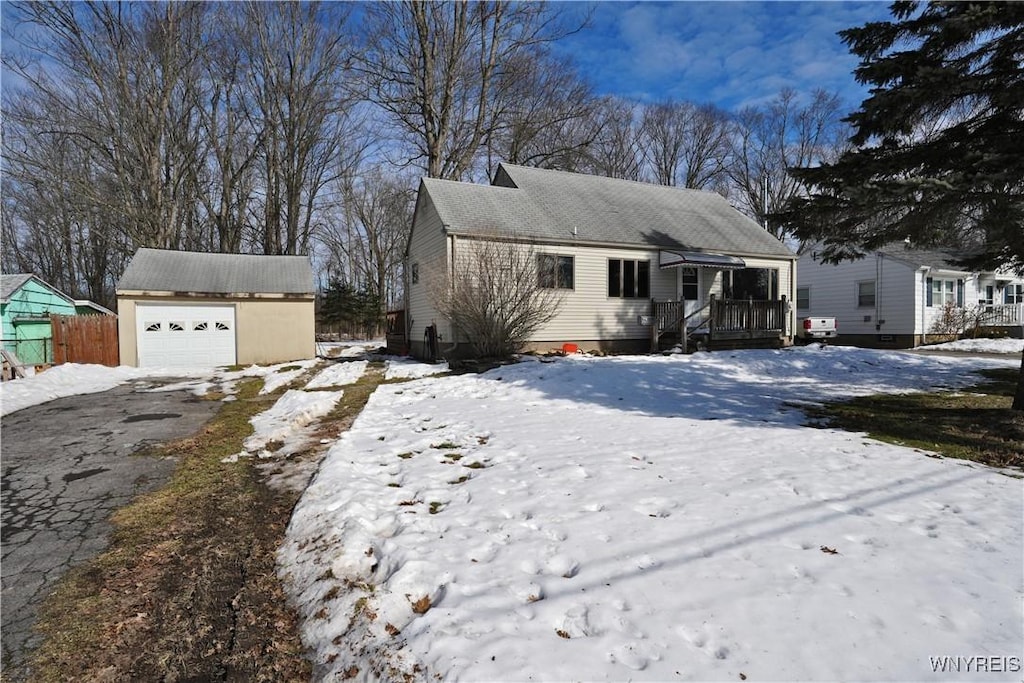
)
(878, 291)
(924, 303)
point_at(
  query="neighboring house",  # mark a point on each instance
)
(187, 309)
(86, 307)
(893, 297)
(617, 249)
(26, 303)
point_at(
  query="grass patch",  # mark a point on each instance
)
(475, 465)
(972, 424)
(289, 368)
(444, 444)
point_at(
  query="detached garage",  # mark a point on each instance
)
(188, 309)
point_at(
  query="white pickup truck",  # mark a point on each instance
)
(817, 329)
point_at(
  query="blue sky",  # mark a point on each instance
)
(728, 53)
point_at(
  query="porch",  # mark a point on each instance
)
(723, 322)
(1002, 315)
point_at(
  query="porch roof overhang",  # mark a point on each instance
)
(675, 259)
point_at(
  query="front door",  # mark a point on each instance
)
(689, 290)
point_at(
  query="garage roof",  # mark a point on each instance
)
(159, 270)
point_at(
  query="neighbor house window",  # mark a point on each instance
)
(554, 271)
(945, 292)
(866, 294)
(628, 279)
(761, 284)
(803, 298)
(1013, 294)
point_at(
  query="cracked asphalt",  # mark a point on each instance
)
(67, 465)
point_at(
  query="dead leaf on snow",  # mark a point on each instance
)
(829, 551)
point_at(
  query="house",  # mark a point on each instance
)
(26, 303)
(188, 309)
(897, 296)
(86, 307)
(634, 261)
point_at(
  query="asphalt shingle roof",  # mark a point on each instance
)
(945, 259)
(560, 206)
(158, 270)
(9, 284)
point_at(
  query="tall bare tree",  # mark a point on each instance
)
(686, 144)
(366, 247)
(617, 151)
(298, 56)
(784, 134)
(435, 68)
(545, 112)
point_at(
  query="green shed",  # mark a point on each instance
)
(26, 303)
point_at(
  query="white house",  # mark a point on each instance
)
(632, 259)
(893, 296)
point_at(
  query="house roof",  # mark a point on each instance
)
(11, 283)
(158, 270)
(938, 258)
(571, 207)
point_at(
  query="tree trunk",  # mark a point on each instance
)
(1018, 397)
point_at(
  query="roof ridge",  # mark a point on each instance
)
(644, 183)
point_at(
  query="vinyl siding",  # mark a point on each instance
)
(834, 288)
(427, 251)
(587, 312)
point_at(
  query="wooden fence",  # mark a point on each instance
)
(85, 339)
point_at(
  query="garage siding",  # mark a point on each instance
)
(266, 330)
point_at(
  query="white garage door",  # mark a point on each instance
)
(178, 336)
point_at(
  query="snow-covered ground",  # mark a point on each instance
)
(635, 518)
(980, 346)
(655, 518)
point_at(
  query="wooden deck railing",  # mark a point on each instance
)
(727, 319)
(732, 319)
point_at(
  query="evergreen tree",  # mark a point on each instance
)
(938, 152)
(938, 146)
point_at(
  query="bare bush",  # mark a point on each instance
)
(493, 295)
(956, 320)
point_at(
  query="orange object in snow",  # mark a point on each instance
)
(570, 348)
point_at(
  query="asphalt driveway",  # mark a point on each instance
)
(67, 465)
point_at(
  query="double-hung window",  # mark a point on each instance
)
(803, 298)
(629, 279)
(866, 294)
(1013, 294)
(945, 293)
(554, 271)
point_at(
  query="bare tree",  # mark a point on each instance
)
(435, 68)
(770, 140)
(493, 295)
(686, 144)
(366, 247)
(298, 55)
(546, 116)
(617, 151)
